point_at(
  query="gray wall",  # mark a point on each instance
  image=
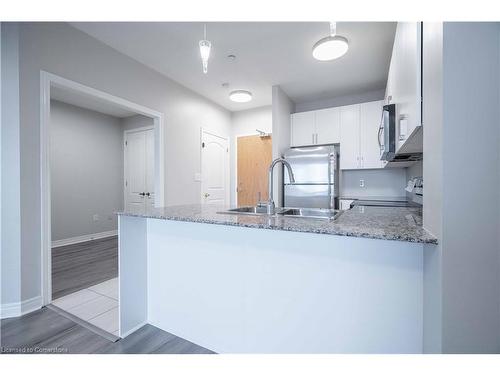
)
(283, 106)
(339, 101)
(86, 162)
(10, 194)
(378, 183)
(72, 54)
(461, 176)
(137, 121)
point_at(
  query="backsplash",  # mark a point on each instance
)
(377, 183)
(415, 172)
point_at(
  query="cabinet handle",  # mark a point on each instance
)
(316, 138)
(312, 138)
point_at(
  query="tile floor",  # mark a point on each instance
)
(97, 304)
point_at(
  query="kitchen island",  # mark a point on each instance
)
(272, 284)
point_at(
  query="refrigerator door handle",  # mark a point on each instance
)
(331, 177)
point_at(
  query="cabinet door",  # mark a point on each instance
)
(328, 126)
(370, 114)
(405, 77)
(303, 129)
(349, 137)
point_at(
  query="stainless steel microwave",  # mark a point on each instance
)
(387, 133)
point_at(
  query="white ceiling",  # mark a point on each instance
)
(267, 53)
(88, 102)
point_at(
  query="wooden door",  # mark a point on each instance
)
(254, 157)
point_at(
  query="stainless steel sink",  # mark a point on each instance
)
(313, 213)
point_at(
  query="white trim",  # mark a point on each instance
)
(235, 203)
(228, 164)
(84, 238)
(10, 310)
(46, 81)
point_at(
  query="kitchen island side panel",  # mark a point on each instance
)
(246, 290)
(132, 273)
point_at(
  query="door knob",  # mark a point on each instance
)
(206, 195)
(148, 194)
(142, 194)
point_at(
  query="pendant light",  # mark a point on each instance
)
(205, 47)
(331, 47)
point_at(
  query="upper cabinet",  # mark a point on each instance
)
(315, 127)
(404, 85)
(359, 147)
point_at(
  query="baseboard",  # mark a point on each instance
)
(84, 238)
(11, 310)
(140, 325)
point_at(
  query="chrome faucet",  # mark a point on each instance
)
(270, 203)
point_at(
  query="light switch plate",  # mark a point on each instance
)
(361, 183)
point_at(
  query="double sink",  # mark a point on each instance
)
(313, 213)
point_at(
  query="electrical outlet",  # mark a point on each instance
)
(95, 217)
(361, 183)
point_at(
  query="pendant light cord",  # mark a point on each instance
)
(333, 28)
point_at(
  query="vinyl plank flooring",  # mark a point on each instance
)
(81, 265)
(50, 332)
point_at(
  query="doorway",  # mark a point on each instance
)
(254, 155)
(94, 258)
(214, 168)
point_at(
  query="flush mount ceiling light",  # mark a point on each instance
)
(240, 96)
(205, 47)
(330, 47)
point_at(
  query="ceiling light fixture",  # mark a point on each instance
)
(205, 47)
(331, 47)
(240, 96)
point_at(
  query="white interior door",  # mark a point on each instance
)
(139, 170)
(214, 169)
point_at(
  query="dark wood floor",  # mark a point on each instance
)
(78, 266)
(45, 331)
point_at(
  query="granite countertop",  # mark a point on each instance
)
(386, 223)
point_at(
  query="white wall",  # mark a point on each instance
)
(245, 123)
(282, 108)
(378, 183)
(461, 195)
(86, 166)
(10, 194)
(339, 101)
(11, 241)
(471, 272)
(60, 49)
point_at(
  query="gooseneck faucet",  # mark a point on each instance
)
(270, 203)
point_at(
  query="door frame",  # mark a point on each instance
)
(208, 131)
(46, 81)
(125, 164)
(236, 162)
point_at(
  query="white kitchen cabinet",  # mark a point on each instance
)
(320, 127)
(370, 118)
(303, 132)
(359, 124)
(404, 81)
(350, 137)
(328, 126)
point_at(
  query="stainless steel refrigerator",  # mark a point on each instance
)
(316, 177)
